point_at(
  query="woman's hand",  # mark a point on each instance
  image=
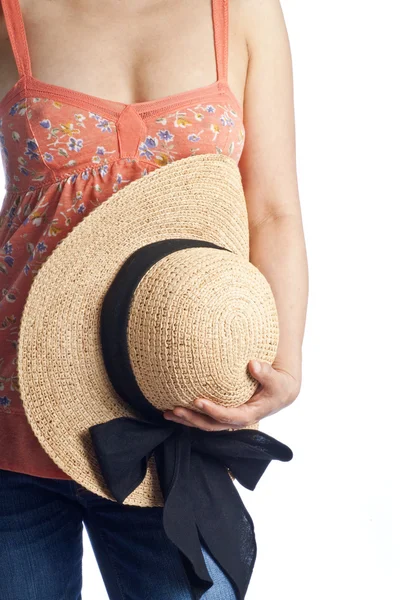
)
(278, 389)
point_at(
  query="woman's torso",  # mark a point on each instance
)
(104, 94)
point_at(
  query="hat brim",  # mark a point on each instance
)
(62, 377)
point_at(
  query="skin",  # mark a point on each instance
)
(277, 245)
(136, 69)
(125, 50)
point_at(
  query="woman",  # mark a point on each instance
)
(95, 95)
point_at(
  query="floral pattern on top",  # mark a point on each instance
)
(61, 162)
(204, 127)
(42, 140)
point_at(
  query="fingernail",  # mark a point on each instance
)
(199, 403)
(256, 365)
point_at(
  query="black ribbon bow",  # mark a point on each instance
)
(199, 494)
(200, 498)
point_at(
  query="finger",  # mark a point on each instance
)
(240, 416)
(195, 419)
(262, 370)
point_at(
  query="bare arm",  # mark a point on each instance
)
(268, 168)
(277, 246)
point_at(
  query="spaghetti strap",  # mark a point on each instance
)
(16, 32)
(220, 24)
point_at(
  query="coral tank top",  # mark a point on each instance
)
(64, 153)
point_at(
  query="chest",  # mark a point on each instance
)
(126, 51)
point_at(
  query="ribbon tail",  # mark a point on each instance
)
(123, 447)
(246, 452)
(223, 521)
(173, 467)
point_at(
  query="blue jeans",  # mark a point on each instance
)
(41, 524)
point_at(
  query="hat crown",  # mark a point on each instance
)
(195, 320)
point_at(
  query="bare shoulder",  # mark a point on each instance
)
(268, 160)
(264, 23)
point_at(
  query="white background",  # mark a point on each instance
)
(331, 524)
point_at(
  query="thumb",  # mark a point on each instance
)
(261, 370)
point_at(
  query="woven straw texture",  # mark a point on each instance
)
(63, 382)
(201, 315)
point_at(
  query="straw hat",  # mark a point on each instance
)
(147, 303)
